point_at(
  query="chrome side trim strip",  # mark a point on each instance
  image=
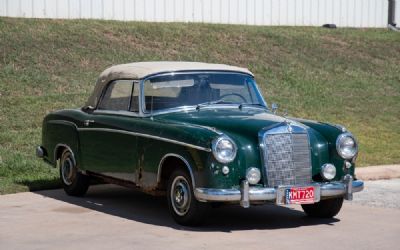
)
(132, 114)
(327, 190)
(146, 136)
(63, 122)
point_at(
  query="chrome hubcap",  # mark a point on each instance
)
(180, 195)
(67, 170)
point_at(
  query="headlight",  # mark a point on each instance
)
(328, 171)
(346, 146)
(224, 149)
(253, 175)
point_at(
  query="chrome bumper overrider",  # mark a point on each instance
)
(40, 152)
(246, 194)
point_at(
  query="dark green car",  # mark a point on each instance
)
(200, 134)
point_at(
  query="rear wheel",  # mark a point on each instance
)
(73, 182)
(183, 206)
(324, 209)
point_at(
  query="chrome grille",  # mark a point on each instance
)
(287, 159)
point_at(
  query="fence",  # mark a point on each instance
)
(344, 13)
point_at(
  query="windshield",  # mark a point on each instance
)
(194, 89)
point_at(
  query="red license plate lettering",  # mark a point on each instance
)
(300, 195)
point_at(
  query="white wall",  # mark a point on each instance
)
(397, 15)
(344, 13)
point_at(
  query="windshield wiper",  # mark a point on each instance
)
(251, 104)
(212, 103)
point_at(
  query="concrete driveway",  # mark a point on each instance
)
(111, 217)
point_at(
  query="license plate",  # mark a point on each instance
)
(300, 195)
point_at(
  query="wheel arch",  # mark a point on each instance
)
(59, 132)
(168, 163)
(59, 149)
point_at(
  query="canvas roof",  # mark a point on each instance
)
(140, 70)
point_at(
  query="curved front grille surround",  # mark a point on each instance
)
(285, 151)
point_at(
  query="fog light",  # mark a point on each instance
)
(328, 171)
(253, 175)
(225, 170)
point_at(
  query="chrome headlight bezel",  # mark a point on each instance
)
(216, 143)
(340, 150)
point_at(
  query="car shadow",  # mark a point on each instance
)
(140, 207)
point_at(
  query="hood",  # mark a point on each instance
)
(230, 120)
(244, 124)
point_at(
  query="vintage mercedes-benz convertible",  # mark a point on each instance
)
(200, 134)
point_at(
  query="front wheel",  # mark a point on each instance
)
(73, 182)
(183, 206)
(323, 209)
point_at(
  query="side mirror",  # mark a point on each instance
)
(274, 107)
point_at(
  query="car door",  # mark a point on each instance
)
(108, 143)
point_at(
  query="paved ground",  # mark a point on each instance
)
(380, 193)
(378, 172)
(111, 217)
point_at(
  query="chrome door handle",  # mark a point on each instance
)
(87, 122)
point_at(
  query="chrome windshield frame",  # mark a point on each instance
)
(186, 108)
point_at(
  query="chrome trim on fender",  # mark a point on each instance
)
(327, 190)
(189, 168)
(179, 109)
(63, 122)
(146, 136)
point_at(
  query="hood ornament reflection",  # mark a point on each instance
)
(290, 129)
(289, 125)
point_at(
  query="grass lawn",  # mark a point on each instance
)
(345, 76)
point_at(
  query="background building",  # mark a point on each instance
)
(343, 13)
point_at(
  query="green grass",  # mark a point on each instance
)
(345, 76)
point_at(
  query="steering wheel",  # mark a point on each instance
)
(234, 94)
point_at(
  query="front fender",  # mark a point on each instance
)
(327, 134)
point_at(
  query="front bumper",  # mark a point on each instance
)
(246, 194)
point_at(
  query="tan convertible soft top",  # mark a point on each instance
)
(140, 70)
